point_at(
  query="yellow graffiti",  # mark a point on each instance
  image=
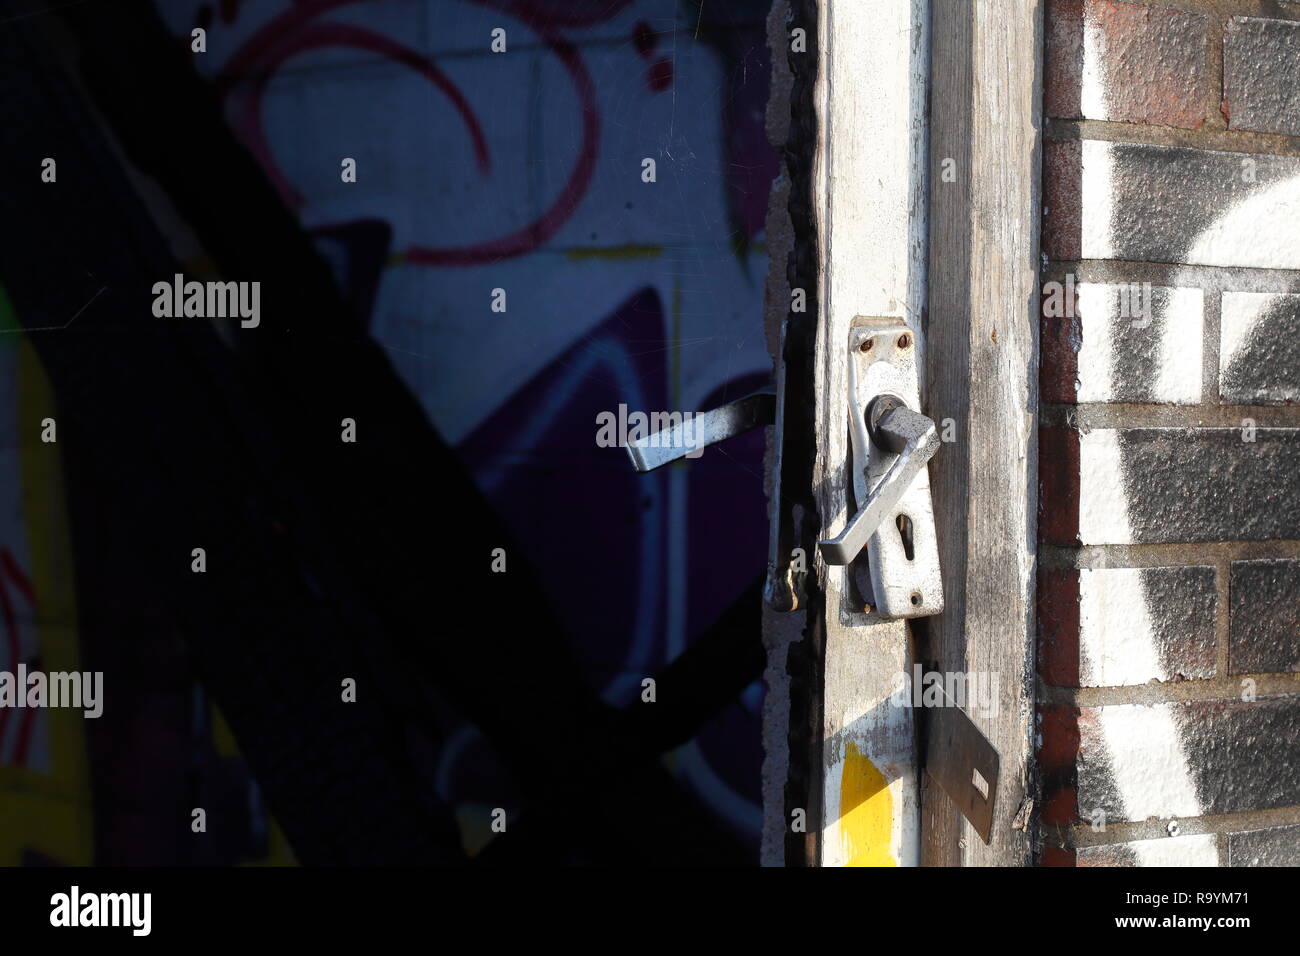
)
(47, 813)
(278, 850)
(866, 812)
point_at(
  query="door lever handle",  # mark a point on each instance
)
(913, 438)
(890, 444)
(687, 439)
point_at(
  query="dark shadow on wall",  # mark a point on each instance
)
(326, 561)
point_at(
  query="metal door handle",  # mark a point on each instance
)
(914, 439)
(706, 428)
(891, 442)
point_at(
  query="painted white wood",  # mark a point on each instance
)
(869, 202)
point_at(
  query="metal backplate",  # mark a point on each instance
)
(882, 361)
(956, 752)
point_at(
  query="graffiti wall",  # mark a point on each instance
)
(45, 794)
(543, 210)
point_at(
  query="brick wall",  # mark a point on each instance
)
(1169, 581)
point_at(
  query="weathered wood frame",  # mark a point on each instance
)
(878, 192)
(982, 333)
(869, 210)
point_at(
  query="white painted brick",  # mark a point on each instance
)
(1201, 849)
(1143, 624)
(1259, 348)
(1133, 764)
(1116, 645)
(1103, 493)
(1150, 485)
(1176, 760)
(1140, 343)
(1199, 207)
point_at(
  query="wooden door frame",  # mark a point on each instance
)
(982, 330)
(923, 194)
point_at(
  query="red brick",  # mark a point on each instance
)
(1150, 63)
(1058, 627)
(1061, 808)
(1057, 856)
(1189, 758)
(1058, 485)
(1059, 344)
(1059, 747)
(1261, 86)
(1063, 57)
(1062, 177)
(1116, 627)
(1123, 342)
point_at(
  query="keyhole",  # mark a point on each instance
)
(905, 532)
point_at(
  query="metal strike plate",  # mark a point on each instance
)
(960, 759)
(902, 553)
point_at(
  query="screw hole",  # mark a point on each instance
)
(867, 345)
(916, 599)
(904, 340)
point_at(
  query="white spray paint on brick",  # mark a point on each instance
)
(1147, 762)
(1103, 498)
(1241, 311)
(1181, 343)
(1116, 637)
(1096, 193)
(1198, 850)
(1261, 231)
(1093, 100)
(1175, 332)
(1245, 315)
